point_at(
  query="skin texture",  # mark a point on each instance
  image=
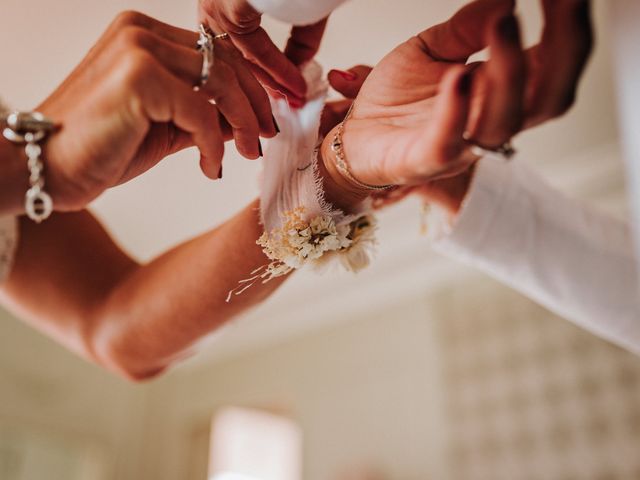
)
(277, 71)
(131, 102)
(137, 320)
(511, 92)
(407, 124)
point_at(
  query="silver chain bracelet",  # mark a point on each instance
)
(29, 129)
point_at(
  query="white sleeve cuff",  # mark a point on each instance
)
(297, 12)
(567, 256)
(486, 193)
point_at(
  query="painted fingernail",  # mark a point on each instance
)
(348, 76)
(583, 12)
(508, 29)
(220, 172)
(465, 83)
(260, 148)
(296, 102)
(275, 124)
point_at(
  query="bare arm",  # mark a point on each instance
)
(133, 319)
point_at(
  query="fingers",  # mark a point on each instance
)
(274, 88)
(304, 42)
(558, 61)
(333, 113)
(438, 151)
(255, 92)
(236, 108)
(464, 34)
(503, 80)
(190, 111)
(349, 82)
(177, 35)
(260, 50)
(242, 22)
(223, 86)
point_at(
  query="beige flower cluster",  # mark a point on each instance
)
(300, 241)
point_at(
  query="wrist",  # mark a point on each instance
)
(339, 190)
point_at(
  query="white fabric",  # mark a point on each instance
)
(573, 260)
(297, 12)
(626, 38)
(289, 179)
(8, 242)
(300, 226)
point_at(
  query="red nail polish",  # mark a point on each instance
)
(348, 76)
(296, 102)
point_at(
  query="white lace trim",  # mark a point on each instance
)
(8, 243)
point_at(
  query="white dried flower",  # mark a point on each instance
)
(299, 242)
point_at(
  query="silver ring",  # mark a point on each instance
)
(21, 124)
(505, 151)
(206, 47)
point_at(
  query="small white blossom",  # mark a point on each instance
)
(299, 242)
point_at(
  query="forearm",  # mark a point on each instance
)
(159, 311)
(72, 282)
(155, 314)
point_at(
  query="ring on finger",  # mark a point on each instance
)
(505, 151)
(206, 46)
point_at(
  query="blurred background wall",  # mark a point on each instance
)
(418, 368)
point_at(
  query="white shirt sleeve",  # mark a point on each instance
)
(8, 242)
(297, 12)
(575, 261)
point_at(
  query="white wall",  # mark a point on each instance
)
(469, 382)
(47, 395)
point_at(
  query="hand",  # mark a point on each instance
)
(131, 102)
(554, 68)
(409, 118)
(277, 71)
(503, 98)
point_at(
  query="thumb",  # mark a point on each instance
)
(349, 82)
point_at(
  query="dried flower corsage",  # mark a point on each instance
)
(317, 242)
(299, 242)
(301, 227)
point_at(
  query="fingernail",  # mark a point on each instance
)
(348, 76)
(296, 102)
(465, 83)
(220, 172)
(583, 12)
(275, 124)
(508, 29)
(260, 148)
